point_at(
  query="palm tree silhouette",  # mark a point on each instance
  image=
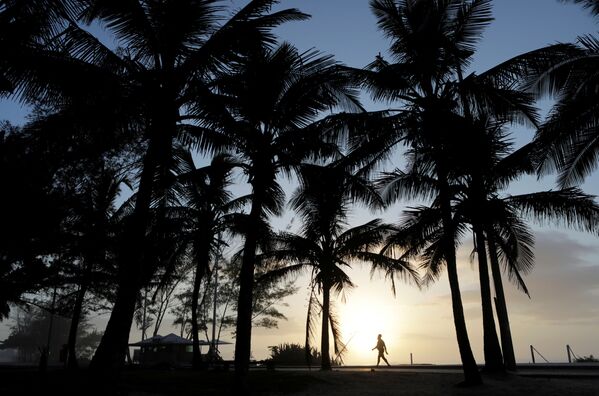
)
(496, 220)
(267, 111)
(169, 52)
(489, 171)
(327, 248)
(432, 42)
(93, 227)
(209, 211)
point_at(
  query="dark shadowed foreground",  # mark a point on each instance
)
(343, 383)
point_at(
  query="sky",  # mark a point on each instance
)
(564, 285)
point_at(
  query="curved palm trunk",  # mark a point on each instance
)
(492, 350)
(201, 266)
(502, 315)
(74, 327)
(112, 350)
(324, 340)
(243, 340)
(471, 373)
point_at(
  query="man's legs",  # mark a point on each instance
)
(385, 359)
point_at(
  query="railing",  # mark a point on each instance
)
(532, 354)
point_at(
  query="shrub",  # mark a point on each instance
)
(292, 354)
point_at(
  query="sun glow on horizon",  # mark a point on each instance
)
(361, 322)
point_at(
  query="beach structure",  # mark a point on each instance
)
(168, 351)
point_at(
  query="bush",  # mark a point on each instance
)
(292, 354)
(586, 359)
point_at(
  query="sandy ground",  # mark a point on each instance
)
(383, 383)
(344, 382)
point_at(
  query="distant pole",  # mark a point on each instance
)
(51, 321)
(143, 319)
(411, 359)
(532, 353)
(46, 351)
(214, 308)
(569, 355)
(217, 259)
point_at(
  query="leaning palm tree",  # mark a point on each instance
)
(327, 248)
(268, 111)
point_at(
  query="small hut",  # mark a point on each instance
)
(168, 351)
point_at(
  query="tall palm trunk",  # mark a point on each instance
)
(324, 340)
(471, 374)
(74, 327)
(492, 350)
(243, 340)
(113, 347)
(201, 266)
(501, 306)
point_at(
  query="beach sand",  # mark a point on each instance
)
(344, 382)
(387, 383)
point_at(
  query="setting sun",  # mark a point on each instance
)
(361, 322)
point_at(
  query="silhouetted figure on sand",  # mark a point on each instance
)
(380, 345)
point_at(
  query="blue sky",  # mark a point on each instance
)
(565, 284)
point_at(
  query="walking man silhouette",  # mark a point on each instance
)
(380, 345)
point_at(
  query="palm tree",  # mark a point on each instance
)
(496, 220)
(433, 42)
(268, 112)
(168, 52)
(182, 46)
(209, 211)
(327, 247)
(93, 241)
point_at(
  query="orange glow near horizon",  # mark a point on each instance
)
(361, 322)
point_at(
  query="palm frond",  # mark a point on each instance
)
(470, 21)
(314, 310)
(591, 5)
(399, 185)
(570, 207)
(335, 324)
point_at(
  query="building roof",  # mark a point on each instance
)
(172, 339)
